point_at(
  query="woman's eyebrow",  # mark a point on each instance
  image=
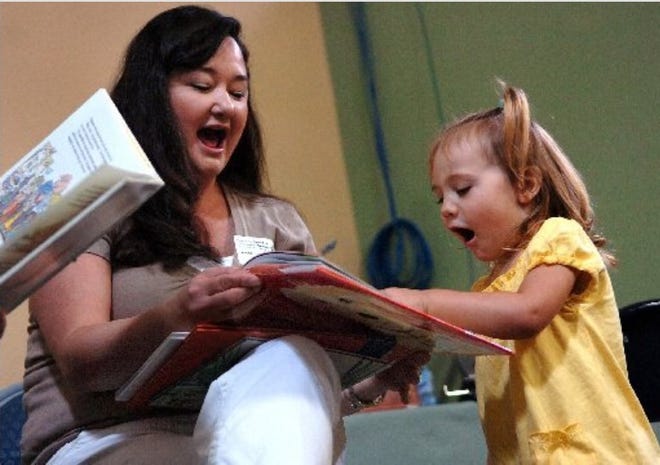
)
(239, 76)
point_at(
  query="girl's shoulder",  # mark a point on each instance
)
(563, 241)
(558, 241)
(558, 226)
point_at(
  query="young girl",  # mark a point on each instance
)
(513, 198)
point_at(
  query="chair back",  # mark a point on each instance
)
(640, 323)
(12, 417)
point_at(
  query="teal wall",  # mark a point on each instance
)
(591, 73)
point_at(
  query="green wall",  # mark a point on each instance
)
(591, 73)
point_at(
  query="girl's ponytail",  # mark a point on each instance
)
(516, 130)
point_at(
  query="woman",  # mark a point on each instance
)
(184, 91)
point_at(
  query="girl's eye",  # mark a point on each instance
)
(463, 190)
(439, 200)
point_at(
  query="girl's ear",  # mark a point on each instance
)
(529, 185)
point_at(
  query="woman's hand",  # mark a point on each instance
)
(214, 294)
(402, 374)
(97, 353)
(399, 377)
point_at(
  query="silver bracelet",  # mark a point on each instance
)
(358, 404)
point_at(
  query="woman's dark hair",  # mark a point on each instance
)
(164, 229)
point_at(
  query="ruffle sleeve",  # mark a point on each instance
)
(561, 241)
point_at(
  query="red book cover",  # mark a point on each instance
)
(307, 292)
(363, 331)
(182, 380)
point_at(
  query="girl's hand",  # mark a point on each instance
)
(409, 297)
(213, 294)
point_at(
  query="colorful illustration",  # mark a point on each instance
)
(29, 190)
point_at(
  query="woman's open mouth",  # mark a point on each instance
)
(212, 137)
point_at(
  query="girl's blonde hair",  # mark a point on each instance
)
(512, 140)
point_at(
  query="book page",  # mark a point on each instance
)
(300, 262)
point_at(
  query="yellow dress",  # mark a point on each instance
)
(564, 398)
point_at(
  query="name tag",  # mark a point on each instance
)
(248, 246)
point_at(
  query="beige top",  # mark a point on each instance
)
(564, 396)
(55, 411)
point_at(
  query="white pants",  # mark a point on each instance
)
(278, 406)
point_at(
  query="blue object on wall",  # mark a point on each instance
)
(386, 264)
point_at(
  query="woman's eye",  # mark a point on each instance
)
(463, 190)
(239, 94)
(439, 200)
(200, 86)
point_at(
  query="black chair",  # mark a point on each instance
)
(12, 418)
(640, 323)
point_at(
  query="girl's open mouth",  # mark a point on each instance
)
(466, 234)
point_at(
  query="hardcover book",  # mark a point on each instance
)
(362, 330)
(84, 177)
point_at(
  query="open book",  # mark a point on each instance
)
(362, 330)
(87, 175)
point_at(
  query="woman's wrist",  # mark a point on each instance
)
(355, 400)
(359, 403)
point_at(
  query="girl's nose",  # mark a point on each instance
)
(447, 209)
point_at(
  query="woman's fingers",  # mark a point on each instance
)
(215, 291)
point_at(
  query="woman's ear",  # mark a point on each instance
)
(529, 185)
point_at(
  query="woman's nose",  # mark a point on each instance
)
(222, 104)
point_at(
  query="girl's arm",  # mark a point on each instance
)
(505, 315)
(97, 353)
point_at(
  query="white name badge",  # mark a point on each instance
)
(247, 247)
